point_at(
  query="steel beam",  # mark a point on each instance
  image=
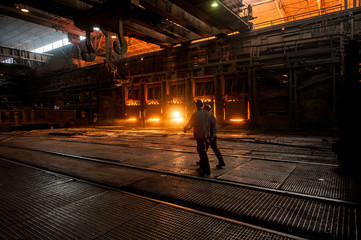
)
(50, 23)
(155, 37)
(25, 55)
(179, 16)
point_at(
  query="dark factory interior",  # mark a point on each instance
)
(96, 97)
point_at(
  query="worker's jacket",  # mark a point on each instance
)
(214, 127)
(200, 121)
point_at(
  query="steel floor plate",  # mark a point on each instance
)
(322, 181)
(317, 180)
(306, 216)
(273, 174)
(51, 206)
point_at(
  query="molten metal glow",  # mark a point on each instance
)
(236, 120)
(176, 114)
(178, 120)
(153, 119)
(131, 102)
(153, 102)
(177, 117)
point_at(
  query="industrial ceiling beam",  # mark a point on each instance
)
(46, 22)
(48, 6)
(25, 55)
(279, 11)
(230, 11)
(150, 35)
(159, 23)
(180, 16)
(63, 8)
(220, 17)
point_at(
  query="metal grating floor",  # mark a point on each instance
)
(50, 206)
(164, 222)
(316, 180)
(320, 181)
(300, 215)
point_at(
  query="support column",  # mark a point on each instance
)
(348, 103)
(122, 101)
(189, 96)
(293, 93)
(219, 110)
(164, 98)
(252, 91)
(143, 103)
(108, 47)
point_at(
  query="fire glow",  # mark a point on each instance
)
(131, 102)
(153, 119)
(236, 120)
(177, 117)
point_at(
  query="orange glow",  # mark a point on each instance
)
(231, 100)
(178, 119)
(248, 111)
(177, 116)
(153, 102)
(204, 99)
(176, 101)
(270, 13)
(153, 119)
(131, 102)
(24, 10)
(132, 119)
(203, 39)
(236, 120)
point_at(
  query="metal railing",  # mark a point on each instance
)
(313, 13)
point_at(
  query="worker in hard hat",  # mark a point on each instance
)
(200, 122)
(213, 138)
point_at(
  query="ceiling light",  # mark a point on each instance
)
(24, 10)
(96, 28)
(114, 36)
(214, 4)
